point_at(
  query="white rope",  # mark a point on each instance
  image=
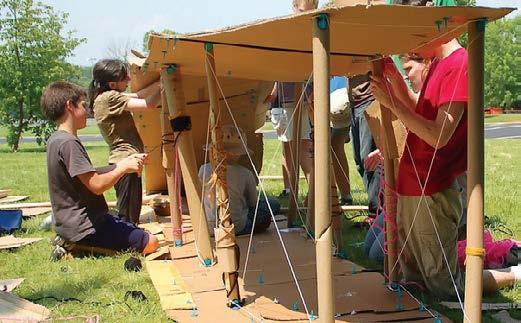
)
(263, 191)
(203, 213)
(423, 187)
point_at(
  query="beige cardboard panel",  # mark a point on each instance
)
(8, 242)
(8, 285)
(12, 199)
(378, 29)
(243, 99)
(16, 309)
(211, 307)
(245, 51)
(248, 63)
(373, 116)
(169, 285)
(199, 278)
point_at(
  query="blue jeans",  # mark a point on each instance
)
(363, 144)
(263, 220)
(374, 240)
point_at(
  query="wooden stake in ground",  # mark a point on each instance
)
(227, 249)
(475, 174)
(173, 87)
(391, 156)
(293, 177)
(323, 230)
(168, 162)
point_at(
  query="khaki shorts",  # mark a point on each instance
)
(422, 259)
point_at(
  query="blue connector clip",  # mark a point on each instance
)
(322, 21)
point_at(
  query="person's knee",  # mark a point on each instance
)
(152, 245)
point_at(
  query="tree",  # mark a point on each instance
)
(32, 54)
(502, 63)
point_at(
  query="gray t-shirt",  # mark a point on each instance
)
(75, 208)
(242, 190)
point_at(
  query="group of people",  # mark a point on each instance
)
(433, 109)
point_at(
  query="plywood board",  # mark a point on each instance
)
(8, 242)
(16, 309)
(4, 193)
(8, 285)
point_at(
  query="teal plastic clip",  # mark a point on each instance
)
(194, 312)
(482, 24)
(178, 243)
(322, 21)
(207, 262)
(422, 308)
(312, 316)
(438, 24)
(171, 68)
(294, 307)
(437, 319)
(446, 21)
(260, 280)
(208, 47)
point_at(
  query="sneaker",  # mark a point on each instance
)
(60, 248)
(346, 200)
(58, 253)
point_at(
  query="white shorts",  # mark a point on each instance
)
(280, 118)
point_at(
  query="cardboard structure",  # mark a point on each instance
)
(191, 292)
(338, 40)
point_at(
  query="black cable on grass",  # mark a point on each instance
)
(136, 295)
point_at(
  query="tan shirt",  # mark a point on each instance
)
(117, 125)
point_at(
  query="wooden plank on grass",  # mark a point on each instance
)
(9, 242)
(12, 199)
(7, 285)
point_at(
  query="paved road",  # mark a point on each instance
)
(492, 131)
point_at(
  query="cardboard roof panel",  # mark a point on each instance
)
(281, 48)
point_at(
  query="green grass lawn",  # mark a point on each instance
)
(100, 283)
(91, 129)
(497, 118)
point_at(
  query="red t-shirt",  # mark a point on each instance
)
(446, 82)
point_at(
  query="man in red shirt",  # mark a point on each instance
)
(429, 205)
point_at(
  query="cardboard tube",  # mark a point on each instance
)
(476, 171)
(226, 250)
(323, 231)
(295, 159)
(169, 155)
(390, 160)
(173, 88)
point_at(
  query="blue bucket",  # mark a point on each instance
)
(10, 221)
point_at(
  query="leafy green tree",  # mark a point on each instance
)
(503, 63)
(33, 49)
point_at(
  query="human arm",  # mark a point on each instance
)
(437, 132)
(273, 94)
(98, 182)
(148, 97)
(251, 190)
(398, 86)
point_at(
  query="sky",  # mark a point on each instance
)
(113, 24)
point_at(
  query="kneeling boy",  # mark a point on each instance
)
(80, 212)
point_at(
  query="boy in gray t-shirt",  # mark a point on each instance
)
(80, 212)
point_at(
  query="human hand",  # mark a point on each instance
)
(380, 90)
(373, 160)
(133, 164)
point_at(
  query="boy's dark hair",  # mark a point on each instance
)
(55, 97)
(103, 72)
